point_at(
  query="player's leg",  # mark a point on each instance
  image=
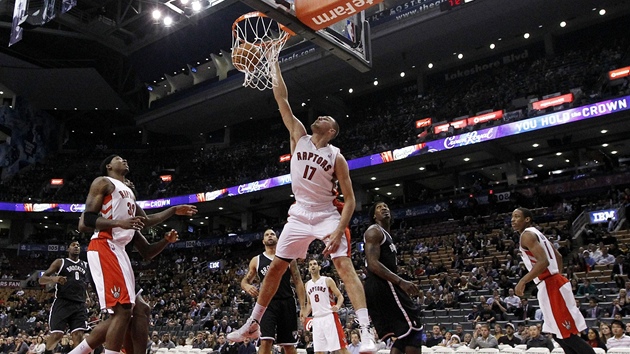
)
(292, 244)
(52, 340)
(287, 325)
(266, 346)
(574, 345)
(95, 339)
(138, 333)
(77, 337)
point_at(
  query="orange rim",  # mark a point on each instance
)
(257, 14)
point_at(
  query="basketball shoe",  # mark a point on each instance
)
(251, 329)
(368, 345)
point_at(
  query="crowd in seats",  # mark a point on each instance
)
(377, 122)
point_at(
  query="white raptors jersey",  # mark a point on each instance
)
(312, 172)
(320, 297)
(119, 205)
(529, 260)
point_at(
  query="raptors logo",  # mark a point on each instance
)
(567, 324)
(115, 292)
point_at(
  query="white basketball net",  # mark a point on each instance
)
(265, 37)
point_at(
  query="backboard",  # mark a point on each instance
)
(348, 39)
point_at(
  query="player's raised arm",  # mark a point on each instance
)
(281, 94)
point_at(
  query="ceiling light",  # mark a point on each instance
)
(460, 56)
(164, 225)
(614, 152)
(168, 20)
(526, 35)
(530, 159)
(604, 145)
(350, 90)
(540, 165)
(196, 6)
(389, 193)
(402, 74)
(156, 14)
(602, 12)
(376, 189)
(375, 82)
(291, 195)
(466, 159)
(1, 92)
(190, 219)
(207, 217)
(201, 223)
(563, 24)
(373, 178)
(397, 184)
(558, 153)
(604, 131)
(567, 161)
(421, 168)
(535, 145)
(492, 46)
(220, 208)
(430, 65)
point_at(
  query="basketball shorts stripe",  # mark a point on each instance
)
(557, 303)
(112, 274)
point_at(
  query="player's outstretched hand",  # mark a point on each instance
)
(186, 209)
(135, 223)
(171, 236)
(252, 290)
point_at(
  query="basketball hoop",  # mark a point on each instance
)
(256, 44)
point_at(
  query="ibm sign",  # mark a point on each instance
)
(600, 216)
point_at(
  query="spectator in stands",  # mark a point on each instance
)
(617, 309)
(220, 343)
(490, 284)
(594, 311)
(459, 330)
(512, 302)
(486, 315)
(509, 338)
(481, 338)
(619, 338)
(167, 342)
(620, 272)
(355, 343)
(588, 260)
(454, 343)
(579, 306)
(247, 347)
(435, 338)
(446, 339)
(604, 331)
(593, 339)
(606, 258)
(628, 328)
(155, 343)
(498, 331)
(505, 283)
(432, 303)
(526, 311)
(537, 340)
(21, 346)
(498, 306)
(450, 302)
(586, 288)
(199, 342)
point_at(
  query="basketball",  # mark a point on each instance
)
(245, 57)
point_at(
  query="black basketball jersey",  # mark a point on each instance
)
(284, 290)
(388, 252)
(76, 274)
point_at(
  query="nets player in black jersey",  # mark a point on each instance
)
(393, 312)
(70, 277)
(279, 322)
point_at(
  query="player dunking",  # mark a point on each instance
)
(280, 320)
(393, 312)
(315, 164)
(562, 316)
(328, 335)
(70, 276)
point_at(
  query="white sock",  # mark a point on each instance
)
(362, 316)
(82, 348)
(107, 351)
(258, 312)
